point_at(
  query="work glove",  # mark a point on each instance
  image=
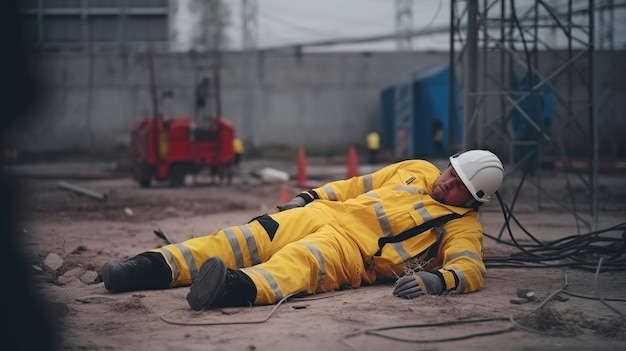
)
(293, 203)
(418, 284)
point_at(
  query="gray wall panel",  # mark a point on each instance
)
(319, 99)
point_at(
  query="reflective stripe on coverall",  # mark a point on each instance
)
(331, 242)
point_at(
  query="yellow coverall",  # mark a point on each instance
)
(331, 242)
(373, 141)
(237, 146)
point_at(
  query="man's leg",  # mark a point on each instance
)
(177, 264)
(242, 246)
(237, 246)
(322, 261)
(217, 285)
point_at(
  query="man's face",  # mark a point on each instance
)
(449, 189)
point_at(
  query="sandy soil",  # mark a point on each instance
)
(85, 233)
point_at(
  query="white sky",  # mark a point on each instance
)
(284, 22)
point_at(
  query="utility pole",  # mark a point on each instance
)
(249, 23)
(403, 92)
(470, 118)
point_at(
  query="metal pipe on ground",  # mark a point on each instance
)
(84, 191)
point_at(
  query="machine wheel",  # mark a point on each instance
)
(142, 174)
(144, 183)
(230, 172)
(177, 175)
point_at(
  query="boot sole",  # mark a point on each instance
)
(208, 285)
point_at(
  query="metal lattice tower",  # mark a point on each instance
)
(536, 97)
(249, 23)
(403, 99)
(606, 62)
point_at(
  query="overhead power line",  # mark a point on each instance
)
(359, 40)
(445, 29)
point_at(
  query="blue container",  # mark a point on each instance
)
(428, 113)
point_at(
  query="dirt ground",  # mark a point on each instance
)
(70, 236)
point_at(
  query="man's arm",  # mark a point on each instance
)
(462, 270)
(461, 248)
(341, 190)
(299, 200)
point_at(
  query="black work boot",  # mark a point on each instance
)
(217, 285)
(146, 271)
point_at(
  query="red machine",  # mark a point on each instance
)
(170, 149)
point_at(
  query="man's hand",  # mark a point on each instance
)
(293, 203)
(418, 284)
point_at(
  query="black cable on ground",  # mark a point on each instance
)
(577, 251)
(169, 320)
(246, 321)
(377, 331)
(597, 288)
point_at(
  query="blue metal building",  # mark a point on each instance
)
(428, 129)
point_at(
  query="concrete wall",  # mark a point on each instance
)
(313, 99)
(325, 99)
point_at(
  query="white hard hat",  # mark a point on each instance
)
(481, 171)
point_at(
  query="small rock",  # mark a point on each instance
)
(128, 211)
(89, 277)
(53, 261)
(74, 272)
(70, 275)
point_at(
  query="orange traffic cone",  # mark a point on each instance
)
(353, 163)
(284, 195)
(301, 178)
